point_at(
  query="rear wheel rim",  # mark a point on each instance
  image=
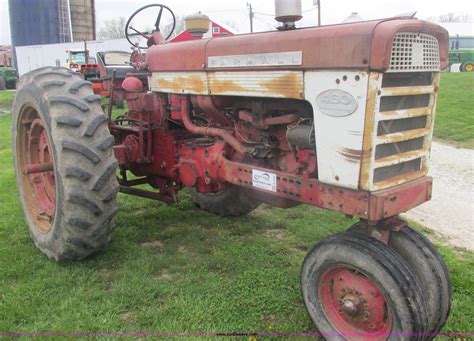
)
(353, 304)
(469, 67)
(38, 188)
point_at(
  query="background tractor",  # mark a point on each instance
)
(79, 61)
(8, 78)
(463, 57)
(338, 117)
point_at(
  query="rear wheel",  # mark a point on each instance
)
(355, 287)
(231, 202)
(429, 268)
(64, 164)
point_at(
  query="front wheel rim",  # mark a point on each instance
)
(353, 304)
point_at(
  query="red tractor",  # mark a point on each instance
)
(338, 117)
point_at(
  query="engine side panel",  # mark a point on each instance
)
(339, 101)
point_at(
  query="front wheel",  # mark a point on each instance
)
(467, 67)
(428, 266)
(355, 287)
(64, 163)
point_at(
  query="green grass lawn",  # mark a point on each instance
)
(6, 100)
(455, 114)
(178, 269)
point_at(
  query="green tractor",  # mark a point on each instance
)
(8, 78)
(464, 57)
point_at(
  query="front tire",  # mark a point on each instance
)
(355, 287)
(428, 266)
(69, 203)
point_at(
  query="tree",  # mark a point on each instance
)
(113, 29)
(180, 27)
(452, 17)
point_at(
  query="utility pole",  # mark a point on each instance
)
(319, 12)
(318, 3)
(251, 15)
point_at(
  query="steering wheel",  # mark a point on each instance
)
(130, 31)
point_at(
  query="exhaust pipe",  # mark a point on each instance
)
(288, 12)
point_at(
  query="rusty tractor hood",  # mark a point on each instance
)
(362, 46)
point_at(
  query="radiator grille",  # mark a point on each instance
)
(398, 137)
(412, 52)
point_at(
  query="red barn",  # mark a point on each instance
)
(216, 30)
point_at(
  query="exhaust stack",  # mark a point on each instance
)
(288, 12)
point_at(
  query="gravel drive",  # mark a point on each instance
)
(451, 211)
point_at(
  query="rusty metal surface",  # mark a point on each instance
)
(372, 206)
(368, 152)
(275, 84)
(36, 168)
(369, 43)
(334, 40)
(392, 201)
(180, 82)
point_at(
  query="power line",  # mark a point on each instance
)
(269, 15)
(265, 22)
(224, 11)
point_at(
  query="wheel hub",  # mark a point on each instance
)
(353, 303)
(350, 305)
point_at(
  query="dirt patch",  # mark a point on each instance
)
(127, 318)
(155, 245)
(165, 275)
(275, 235)
(106, 275)
(450, 213)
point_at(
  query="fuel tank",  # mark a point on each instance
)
(364, 46)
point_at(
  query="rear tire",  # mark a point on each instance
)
(68, 210)
(428, 266)
(231, 202)
(3, 83)
(357, 287)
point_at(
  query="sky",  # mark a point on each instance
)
(235, 12)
